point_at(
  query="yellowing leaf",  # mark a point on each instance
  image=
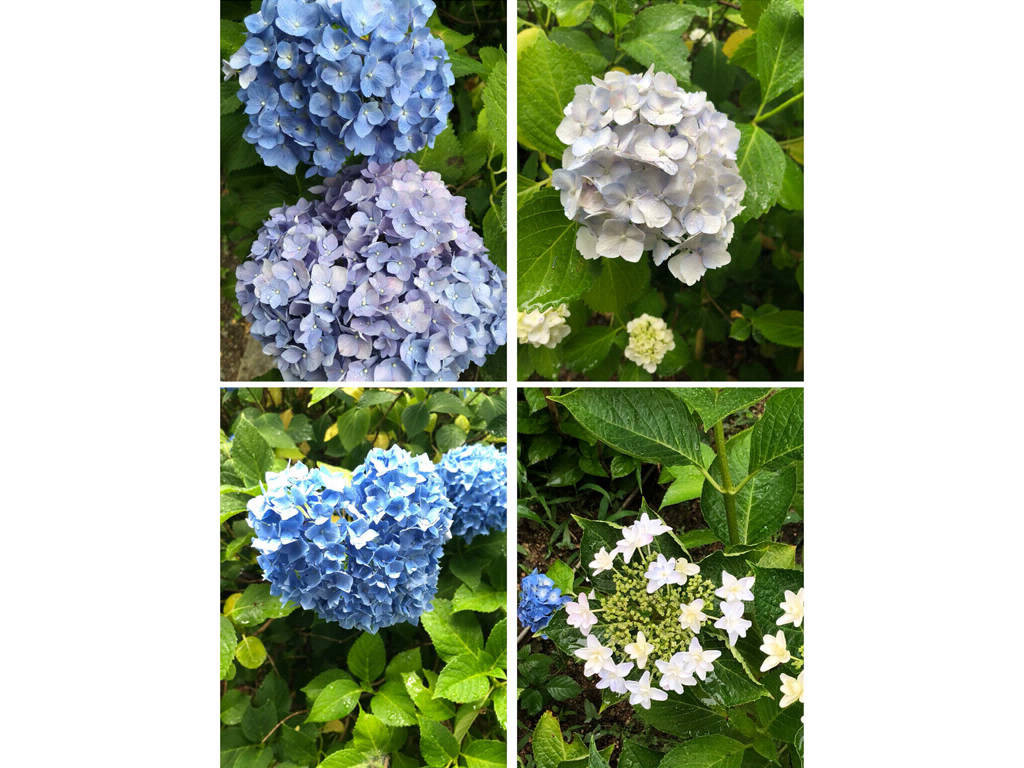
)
(525, 39)
(250, 652)
(275, 395)
(354, 392)
(229, 604)
(334, 726)
(733, 41)
(332, 431)
(286, 418)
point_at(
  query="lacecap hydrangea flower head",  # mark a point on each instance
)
(539, 598)
(544, 328)
(474, 479)
(323, 80)
(650, 167)
(660, 628)
(362, 551)
(382, 279)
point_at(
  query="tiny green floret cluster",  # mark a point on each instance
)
(631, 609)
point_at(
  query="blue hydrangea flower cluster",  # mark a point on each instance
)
(363, 552)
(539, 598)
(475, 480)
(323, 80)
(381, 280)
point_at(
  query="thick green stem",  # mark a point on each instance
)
(727, 490)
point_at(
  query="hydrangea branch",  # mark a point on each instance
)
(728, 493)
(759, 117)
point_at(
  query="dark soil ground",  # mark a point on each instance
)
(233, 333)
(232, 341)
(534, 552)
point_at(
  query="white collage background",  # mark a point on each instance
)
(911, 392)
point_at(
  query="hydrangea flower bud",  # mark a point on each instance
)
(363, 552)
(475, 480)
(650, 167)
(323, 80)
(382, 279)
(649, 340)
(539, 598)
(543, 329)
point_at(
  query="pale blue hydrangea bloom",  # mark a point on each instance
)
(650, 167)
(475, 480)
(382, 279)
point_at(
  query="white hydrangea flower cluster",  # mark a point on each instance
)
(650, 166)
(776, 651)
(543, 329)
(649, 340)
(682, 666)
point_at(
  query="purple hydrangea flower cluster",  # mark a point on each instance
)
(381, 280)
(323, 80)
(539, 598)
(650, 166)
(475, 480)
(363, 552)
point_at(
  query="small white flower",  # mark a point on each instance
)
(662, 572)
(651, 527)
(579, 615)
(700, 662)
(639, 534)
(613, 676)
(639, 650)
(603, 561)
(543, 329)
(732, 621)
(692, 616)
(649, 340)
(775, 651)
(733, 589)
(686, 568)
(632, 539)
(676, 672)
(792, 689)
(595, 655)
(642, 692)
(793, 609)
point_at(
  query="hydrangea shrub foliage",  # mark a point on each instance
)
(661, 175)
(348, 610)
(686, 604)
(424, 79)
